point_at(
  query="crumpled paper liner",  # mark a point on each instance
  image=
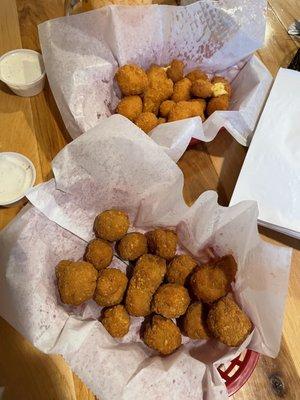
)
(112, 167)
(82, 52)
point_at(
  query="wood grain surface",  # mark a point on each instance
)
(34, 127)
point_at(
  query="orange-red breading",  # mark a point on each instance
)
(111, 286)
(170, 300)
(175, 71)
(202, 88)
(131, 79)
(99, 253)
(165, 107)
(225, 82)
(146, 121)
(209, 283)
(111, 225)
(132, 246)
(220, 103)
(162, 242)
(228, 323)
(76, 281)
(182, 90)
(162, 334)
(116, 321)
(228, 265)
(130, 106)
(180, 268)
(196, 74)
(187, 109)
(194, 323)
(148, 274)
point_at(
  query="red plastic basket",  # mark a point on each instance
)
(238, 371)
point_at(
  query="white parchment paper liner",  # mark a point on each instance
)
(82, 52)
(113, 167)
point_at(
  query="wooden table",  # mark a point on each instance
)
(34, 128)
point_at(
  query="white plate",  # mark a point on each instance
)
(17, 176)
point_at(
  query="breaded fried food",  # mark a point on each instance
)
(175, 71)
(163, 335)
(111, 286)
(156, 74)
(196, 74)
(228, 265)
(182, 90)
(220, 103)
(202, 88)
(225, 82)
(194, 323)
(116, 321)
(76, 281)
(148, 274)
(146, 121)
(162, 242)
(165, 107)
(132, 246)
(228, 323)
(170, 300)
(130, 106)
(151, 101)
(187, 109)
(111, 225)
(99, 253)
(131, 79)
(180, 268)
(209, 283)
(161, 120)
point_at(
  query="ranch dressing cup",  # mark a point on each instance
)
(23, 72)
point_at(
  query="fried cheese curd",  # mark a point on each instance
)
(99, 253)
(187, 109)
(162, 334)
(111, 225)
(165, 107)
(220, 103)
(202, 88)
(196, 74)
(162, 242)
(111, 286)
(182, 90)
(194, 323)
(180, 269)
(225, 84)
(146, 121)
(175, 71)
(131, 79)
(76, 281)
(130, 107)
(170, 300)
(148, 274)
(116, 321)
(132, 246)
(228, 323)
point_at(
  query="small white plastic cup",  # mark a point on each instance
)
(17, 176)
(30, 88)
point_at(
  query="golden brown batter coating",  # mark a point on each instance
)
(99, 253)
(111, 286)
(146, 121)
(162, 335)
(111, 225)
(132, 246)
(130, 106)
(209, 283)
(175, 71)
(148, 274)
(171, 300)
(76, 281)
(116, 321)
(131, 79)
(182, 90)
(228, 323)
(202, 88)
(180, 268)
(187, 109)
(228, 265)
(226, 83)
(194, 324)
(165, 107)
(156, 74)
(161, 120)
(162, 242)
(220, 103)
(196, 74)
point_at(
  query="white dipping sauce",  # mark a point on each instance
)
(16, 177)
(21, 67)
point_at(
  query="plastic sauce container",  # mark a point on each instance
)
(17, 176)
(23, 71)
